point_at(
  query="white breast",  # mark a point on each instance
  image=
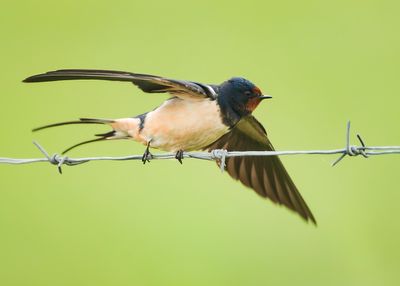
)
(183, 125)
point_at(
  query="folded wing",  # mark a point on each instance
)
(264, 174)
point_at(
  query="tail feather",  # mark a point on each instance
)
(103, 136)
(83, 143)
(107, 134)
(80, 121)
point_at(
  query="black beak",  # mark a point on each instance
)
(262, 97)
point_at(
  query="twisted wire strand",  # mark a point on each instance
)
(219, 155)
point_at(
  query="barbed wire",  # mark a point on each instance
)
(215, 155)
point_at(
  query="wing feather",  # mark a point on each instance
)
(265, 175)
(147, 83)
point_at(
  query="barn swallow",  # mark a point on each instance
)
(198, 116)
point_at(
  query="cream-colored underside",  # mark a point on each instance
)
(177, 125)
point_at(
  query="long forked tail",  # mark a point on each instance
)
(80, 121)
(102, 136)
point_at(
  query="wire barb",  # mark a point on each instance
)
(352, 150)
(57, 159)
(219, 155)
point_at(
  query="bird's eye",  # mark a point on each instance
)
(247, 93)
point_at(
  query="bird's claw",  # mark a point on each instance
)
(179, 156)
(147, 155)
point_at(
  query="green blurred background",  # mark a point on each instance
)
(122, 223)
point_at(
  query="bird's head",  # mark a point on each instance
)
(241, 95)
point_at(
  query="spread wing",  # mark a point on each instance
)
(264, 174)
(146, 82)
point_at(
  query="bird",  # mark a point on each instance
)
(197, 116)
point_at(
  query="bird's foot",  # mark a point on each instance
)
(179, 156)
(147, 155)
